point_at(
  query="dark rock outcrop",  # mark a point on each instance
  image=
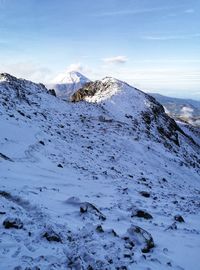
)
(179, 218)
(142, 214)
(89, 208)
(52, 236)
(10, 223)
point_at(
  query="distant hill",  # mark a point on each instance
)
(186, 110)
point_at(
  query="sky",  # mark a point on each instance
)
(152, 44)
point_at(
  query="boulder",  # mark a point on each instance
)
(15, 223)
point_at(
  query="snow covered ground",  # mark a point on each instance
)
(86, 185)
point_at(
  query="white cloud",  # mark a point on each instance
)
(78, 67)
(186, 112)
(27, 70)
(75, 67)
(121, 59)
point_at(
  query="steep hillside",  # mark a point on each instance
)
(107, 181)
(140, 111)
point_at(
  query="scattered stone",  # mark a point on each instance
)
(15, 223)
(52, 236)
(60, 166)
(142, 214)
(20, 112)
(5, 157)
(169, 264)
(145, 194)
(179, 218)
(113, 232)
(41, 142)
(138, 235)
(52, 92)
(99, 229)
(87, 207)
(172, 227)
(103, 119)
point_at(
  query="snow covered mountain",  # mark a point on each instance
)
(186, 110)
(67, 83)
(107, 181)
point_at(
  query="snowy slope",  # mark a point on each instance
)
(186, 110)
(78, 176)
(67, 83)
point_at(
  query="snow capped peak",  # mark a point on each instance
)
(110, 79)
(65, 84)
(108, 89)
(113, 81)
(70, 77)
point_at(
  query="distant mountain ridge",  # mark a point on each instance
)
(186, 110)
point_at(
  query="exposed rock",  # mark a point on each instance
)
(172, 227)
(41, 142)
(145, 194)
(52, 92)
(179, 218)
(99, 229)
(52, 236)
(89, 89)
(104, 119)
(60, 165)
(87, 207)
(5, 157)
(140, 236)
(142, 214)
(15, 223)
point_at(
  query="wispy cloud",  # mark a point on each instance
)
(132, 12)
(189, 10)
(172, 37)
(120, 59)
(187, 112)
(75, 67)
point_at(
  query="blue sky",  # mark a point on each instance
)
(152, 44)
